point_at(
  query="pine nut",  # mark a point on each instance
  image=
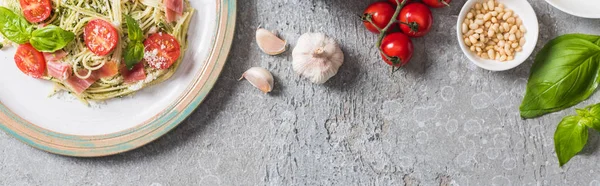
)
(491, 33)
(491, 54)
(474, 26)
(472, 39)
(513, 29)
(487, 17)
(468, 42)
(523, 29)
(491, 4)
(507, 15)
(479, 22)
(522, 42)
(512, 37)
(514, 45)
(511, 20)
(503, 58)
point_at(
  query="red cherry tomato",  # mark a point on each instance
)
(161, 50)
(416, 19)
(399, 47)
(396, 4)
(437, 3)
(100, 37)
(380, 13)
(30, 61)
(36, 11)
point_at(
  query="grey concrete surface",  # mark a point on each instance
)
(440, 121)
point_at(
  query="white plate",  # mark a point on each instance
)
(580, 8)
(524, 10)
(71, 128)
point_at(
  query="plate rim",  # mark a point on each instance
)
(571, 12)
(140, 135)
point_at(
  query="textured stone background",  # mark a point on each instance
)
(440, 121)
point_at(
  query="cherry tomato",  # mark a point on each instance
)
(36, 11)
(416, 20)
(100, 37)
(399, 47)
(437, 3)
(161, 50)
(396, 4)
(30, 61)
(380, 13)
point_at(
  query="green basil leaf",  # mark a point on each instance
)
(570, 137)
(51, 38)
(133, 29)
(594, 112)
(565, 73)
(14, 27)
(134, 53)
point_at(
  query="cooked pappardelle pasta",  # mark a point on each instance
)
(97, 49)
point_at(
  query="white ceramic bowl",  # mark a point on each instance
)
(580, 8)
(530, 21)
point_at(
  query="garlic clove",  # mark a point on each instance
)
(260, 78)
(269, 43)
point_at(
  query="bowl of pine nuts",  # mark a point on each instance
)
(497, 35)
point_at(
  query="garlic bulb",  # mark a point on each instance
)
(317, 57)
(260, 78)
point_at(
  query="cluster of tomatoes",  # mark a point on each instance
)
(414, 19)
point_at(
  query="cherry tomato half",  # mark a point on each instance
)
(380, 13)
(437, 3)
(100, 37)
(396, 4)
(399, 47)
(161, 50)
(30, 61)
(36, 11)
(415, 20)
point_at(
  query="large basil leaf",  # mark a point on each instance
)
(570, 137)
(565, 73)
(14, 27)
(51, 38)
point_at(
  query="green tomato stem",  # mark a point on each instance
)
(393, 21)
(369, 18)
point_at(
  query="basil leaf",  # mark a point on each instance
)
(14, 27)
(51, 38)
(133, 29)
(134, 53)
(594, 112)
(570, 137)
(565, 73)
